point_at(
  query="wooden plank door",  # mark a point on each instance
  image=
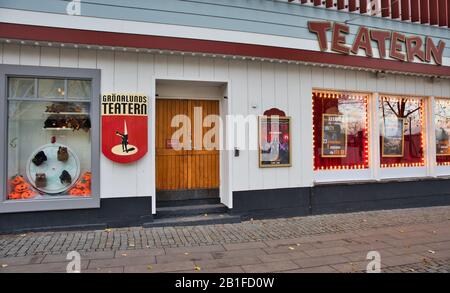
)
(188, 168)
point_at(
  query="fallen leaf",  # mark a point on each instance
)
(291, 248)
(205, 215)
(412, 270)
(431, 251)
(251, 219)
(364, 220)
(108, 230)
(197, 268)
(124, 254)
(401, 231)
(23, 235)
(298, 244)
(149, 267)
(4, 265)
(434, 232)
(186, 253)
(131, 244)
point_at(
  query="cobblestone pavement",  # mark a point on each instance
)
(409, 240)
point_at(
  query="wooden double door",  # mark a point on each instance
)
(190, 168)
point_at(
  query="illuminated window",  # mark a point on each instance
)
(340, 128)
(401, 132)
(442, 130)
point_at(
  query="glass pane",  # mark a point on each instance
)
(340, 131)
(442, 129)
(401, 132)
(79, 89)
(49, 153)
(21, 87)
(51, 88)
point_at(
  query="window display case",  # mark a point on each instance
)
(442, 131)
(340, 127)
(51, 139)
(401, 132)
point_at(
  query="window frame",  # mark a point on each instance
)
(94, 75)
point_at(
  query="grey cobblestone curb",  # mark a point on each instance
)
(259, 230)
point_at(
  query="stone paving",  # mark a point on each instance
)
(409, 240)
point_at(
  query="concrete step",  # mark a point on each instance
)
(190, 210)
(188, 202)
(194, 220)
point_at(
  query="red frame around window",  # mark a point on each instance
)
(442, 130)
(357, 142)
(412, 154)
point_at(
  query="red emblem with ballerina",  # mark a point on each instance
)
(124, 127)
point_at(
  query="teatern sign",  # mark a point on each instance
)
(124, 127)
(402, 47)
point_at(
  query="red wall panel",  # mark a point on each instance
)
(442, 12)
(415, 10)
(424, 11)
(405, 10)
(385, 11)
(434, 12)
(363, 6)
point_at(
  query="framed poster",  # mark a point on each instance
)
(274, 142)
(392, 142)
(334, 136)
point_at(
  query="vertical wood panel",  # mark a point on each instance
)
(424, 11)
(442, 12)
(415, 10)
(105, 62)
(395, 8)
(175, 66)
(434, 14)
(405, 10)
(11, 54)
(363, 6)
(184, 169)
(145, 85)
(385, 11)
(50, 56)
(294, 99)
(255, 108)
(30, 55)
(69, 57)
(87, 58)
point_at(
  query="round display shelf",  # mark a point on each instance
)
(52, 168)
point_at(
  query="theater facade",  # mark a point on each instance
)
(134, 114)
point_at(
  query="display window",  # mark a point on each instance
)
(340, 131)
(48, 138)
(401, 132)
(442, 131)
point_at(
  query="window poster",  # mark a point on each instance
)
(393, 137)
(334, 136)
(274, 142)
(442, 127)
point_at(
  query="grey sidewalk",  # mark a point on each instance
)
(410, 240)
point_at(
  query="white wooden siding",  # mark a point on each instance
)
(255, 87)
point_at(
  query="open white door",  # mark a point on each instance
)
(226, 192)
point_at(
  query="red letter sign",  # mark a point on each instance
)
(124, 127)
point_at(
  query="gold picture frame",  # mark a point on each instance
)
(262, 119)
(323, 134)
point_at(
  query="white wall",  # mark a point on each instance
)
(253, 83)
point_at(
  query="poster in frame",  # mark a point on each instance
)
(334, 136)
(274, 141)
(442, 128)
(392, 142)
